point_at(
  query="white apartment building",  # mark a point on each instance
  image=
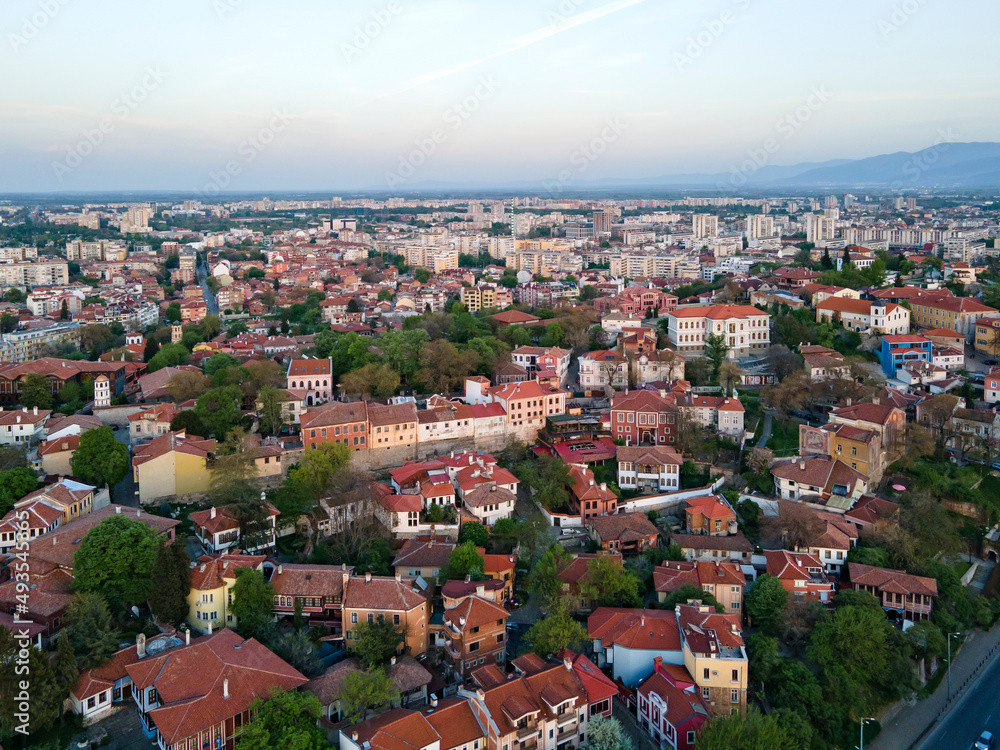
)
(747, 330)
(704, 225)
(36, 273)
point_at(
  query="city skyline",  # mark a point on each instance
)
(225, 96)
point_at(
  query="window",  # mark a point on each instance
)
(734, 696)
(395, 619)
(704, 693)
(371, 618)
(474, 647)
(705, 673)
(354, 618)
(736, 675)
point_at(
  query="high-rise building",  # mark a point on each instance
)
(602, 221)
(705, 225)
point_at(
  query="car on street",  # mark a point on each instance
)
(991, 362)
(995, 465)
(985, 741)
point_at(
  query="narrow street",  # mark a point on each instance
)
(210, 301)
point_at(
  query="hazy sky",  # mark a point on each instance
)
(338, 95)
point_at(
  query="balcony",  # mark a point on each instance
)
(526, 732)
(567, 719)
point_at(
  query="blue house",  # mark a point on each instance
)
(898, 350)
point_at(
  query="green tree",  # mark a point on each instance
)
(221, 361)
(99, 459)
(253, 601)
(751, 732)
(826, 262)
(422, 275)
(716, 350)
(115, 559)
(64, 666)
(190, 423)
(610, 584)
(296, 648)
(219, 409)
(765, 600)
(14, 484)
(271, 409)
(375, 643)
(556, 631)
(36, 391)
(317, 467)
(607, 734)
(170, 355)
(549, 477)
(91, 630)
(47, 696)
(474, 532)
(464, 560)
(545, 576)
(364, 691)
(688, 592)
(171, 582)
(286, 720)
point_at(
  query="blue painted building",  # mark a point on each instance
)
(898, 350)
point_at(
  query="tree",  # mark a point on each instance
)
(17, 668)
(65, 667)
(286, 720)
(221, 361)
(607, 734)
(545, 575)
(716, 350)
(765, 600)
(422, 275)
(190, 423)
(730, 376)
(115, 559)
(549, 478)
(170, 355)
(751, 732)
(688, 592)
(64, 310)
(219, 409)
(826, 262)
(99, 459)
(90, 630)
(443, 367)
(610, 584)
(171, 582)
(378, 381)
(186, 384)
(253, 600)
(556, 632)
(474, 532)
(375, 643)
(317, 467)
(783, 361)
(464, 560)
(364, 691)
(271, 409)
(855, 640)
(14, 484)
(296, 648)
(36, 391)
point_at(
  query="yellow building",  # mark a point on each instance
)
(373, 599)
(957, 313)
(173, 465)
(859, 448)
(392, 426)
(714, 655)
(987, 339)
(212, 581)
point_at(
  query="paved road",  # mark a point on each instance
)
(765, 432)
(210, 302)
(979, 710)
(126, 491)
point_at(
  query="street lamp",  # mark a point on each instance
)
(863, 722)
(950, 635)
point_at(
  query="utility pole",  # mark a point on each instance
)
(863, 722)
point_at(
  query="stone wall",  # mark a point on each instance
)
(378, 459)
(118, 415)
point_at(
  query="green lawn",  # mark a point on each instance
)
(784, 440)
(962, 567)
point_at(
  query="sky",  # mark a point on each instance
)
(246, 95)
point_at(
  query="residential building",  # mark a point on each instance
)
(823, 363)
(27, 344)
(211, 593)
(314, 376)
(628, 534)
(801, 574)
(392, 426)
(627, 641)
(621, 369)
(711, 515)
(218, 530)
(390, 599)
(884, 418)
(715, 657)
(173, 465)
(423, 557)
(198, 695)
(652, 468)
(151, 422)
(885, 318)
(476, 629)
(587, 498)
(720, 414)
(820, 477)
(34, 274)
(22, 427)
(643, 418)
(537, 360)
(902, 595)
(723, 580)
(897, 351)
(734, 547)
(336, 422)
(956, 313)
(317, 590)
(746, 330)
(526, 404)
(670, 707)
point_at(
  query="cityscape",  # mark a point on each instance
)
(423, 377)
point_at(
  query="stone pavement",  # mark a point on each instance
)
(640, 740)
(903, 725)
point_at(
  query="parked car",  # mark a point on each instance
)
(985, 741)
(991, 362)
(995, 465)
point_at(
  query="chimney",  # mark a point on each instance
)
(201, 569)
(802, 465)
(187, 637)
(354, 736)
(34, 410)
(642, 621)
(568, 662)
(211, 513)
(604, 486)
(875, 400)
(392, 661)
(138, 512)
(434, 700)
(399, 576)
(848, 402)
(368, 577)
(140, 645)
(53, 541)
(225, 688)
(210, 627)
(280, 569)
(118, 510)
(480, 589)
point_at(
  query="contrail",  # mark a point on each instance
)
(520, 43)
